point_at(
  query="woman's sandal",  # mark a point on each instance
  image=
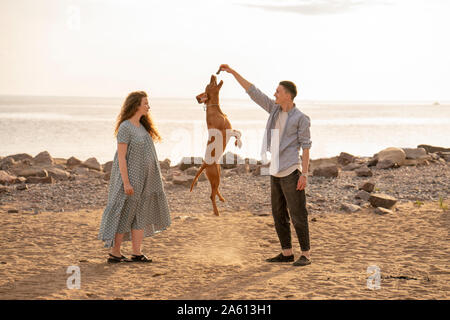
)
(114, 259)
(140, 258)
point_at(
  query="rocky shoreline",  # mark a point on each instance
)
(343, 183)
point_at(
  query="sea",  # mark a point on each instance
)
(83, 127)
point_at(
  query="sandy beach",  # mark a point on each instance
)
(206, 257)
(46, 228)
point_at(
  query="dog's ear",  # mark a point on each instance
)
(220, 84)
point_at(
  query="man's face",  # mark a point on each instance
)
(281, 95)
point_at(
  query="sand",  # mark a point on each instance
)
(209, 257)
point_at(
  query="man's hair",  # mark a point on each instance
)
(290, 87)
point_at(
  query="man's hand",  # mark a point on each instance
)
(224, 67)
(301, 184)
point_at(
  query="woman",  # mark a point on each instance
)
(137, 206)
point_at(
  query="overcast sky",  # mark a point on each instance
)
(333, 50)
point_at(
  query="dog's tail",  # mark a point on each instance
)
(199, 172)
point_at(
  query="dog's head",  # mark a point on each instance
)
(212, 90)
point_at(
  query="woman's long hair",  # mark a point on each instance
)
(129, 108)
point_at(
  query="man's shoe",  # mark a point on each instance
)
(281, 258)
(303, 261)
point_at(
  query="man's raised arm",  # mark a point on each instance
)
(259, 97)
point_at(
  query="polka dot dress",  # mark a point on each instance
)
(147, 208)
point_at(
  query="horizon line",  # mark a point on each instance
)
(441, 102)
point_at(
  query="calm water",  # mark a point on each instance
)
(83, 127)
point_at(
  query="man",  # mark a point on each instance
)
(287, 179)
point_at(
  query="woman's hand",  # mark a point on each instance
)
(128, 189)
(301, 184)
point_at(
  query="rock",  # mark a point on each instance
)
(367, 186)
(351, 166)
(13, 211)
(43, 158)
(92, 163)
(382, 200)
(349, 207)
(20, 156)
(58, 174)
(6, 178)
(22, 187)
(7, 163)
(410, 162)
(81, 170)
(242, 169)
(30, 172)
(192, 171)
(107, 176)
(39, 180)
(432, 149)
(385, 164)
(188, 162)
(107, 167)
(372, 162)
(183, 180)
(444, 155)
(414, 153)
(381, 210)
(230, 160)
(345, 158)
(4, 189)
(363, 172)
(72, 161)
(327, 171)
(165, 165)
(362, 194)
(396, 155)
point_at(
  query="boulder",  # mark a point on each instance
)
(242, 169)
(385, 164)
(30, 172)
(7, 163)
(187, 162)
(352, 166)
(165, 164)
(230, 160)
(327, 171)
(191, 171)
(396, 155)
(72, 161)
(433, 149)
(107, 167)
(183, 180)
(367, 186)
(382, 200)
(414, 153)
(20, 156)
(349, 207)
(58, 174)
(345, 158)
(363, 172)
(92, 163)
(444, 155)
(381, 210)
(6, 178)
(43, 158)
(39, 180)
(362, 194)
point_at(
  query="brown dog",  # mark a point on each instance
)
(219, 132)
